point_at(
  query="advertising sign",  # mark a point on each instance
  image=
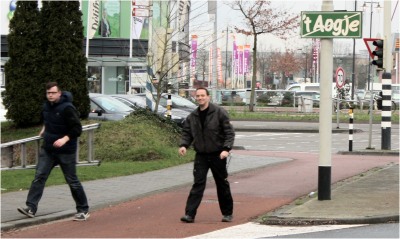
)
(331, 24)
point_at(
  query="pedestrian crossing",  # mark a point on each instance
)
(256, 230)
(304, 142)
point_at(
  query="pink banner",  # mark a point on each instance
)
(219, 61)
(235, 56)
(240, 58)
(194, 50)
(246, 60)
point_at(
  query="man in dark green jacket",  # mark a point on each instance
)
(210, 132)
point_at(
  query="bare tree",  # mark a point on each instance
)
(285, 63)
(262, 18)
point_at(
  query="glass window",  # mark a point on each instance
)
(94, 79)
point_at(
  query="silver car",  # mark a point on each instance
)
(104, 107)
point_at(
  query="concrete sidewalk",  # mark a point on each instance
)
(367, 198)
(371, 197)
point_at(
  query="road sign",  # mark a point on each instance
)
(331, 24)
(369, 43)
(340, 78)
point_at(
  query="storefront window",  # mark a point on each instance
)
(94, 79)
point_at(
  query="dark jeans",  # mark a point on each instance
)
(67, 162)
(202, 163)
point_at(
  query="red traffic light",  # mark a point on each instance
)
(378, 53)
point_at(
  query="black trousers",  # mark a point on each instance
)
(202, 163)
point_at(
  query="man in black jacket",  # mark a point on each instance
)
(209, 130)
(60, 133)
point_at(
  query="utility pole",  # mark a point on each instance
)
(386, 114)
(325, 115)
(212, 11)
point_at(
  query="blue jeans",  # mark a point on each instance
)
(47, 161)
(203, 163)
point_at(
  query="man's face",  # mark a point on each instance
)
(201, 97)
(53, 94)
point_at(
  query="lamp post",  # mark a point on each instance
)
(369, 73)
(378, 7)
(305, 69)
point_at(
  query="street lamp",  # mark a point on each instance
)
(369, 73)
(365, 7)
(305, 69)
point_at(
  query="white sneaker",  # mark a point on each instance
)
(81, 216)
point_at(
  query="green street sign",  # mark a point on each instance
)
(331, 24)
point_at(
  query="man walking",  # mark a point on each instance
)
(212, 135)
(60, 132)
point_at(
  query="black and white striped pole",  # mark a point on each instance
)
(351, 129)
(169, 104)
(386, 113)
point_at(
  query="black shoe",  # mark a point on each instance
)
(187, 218)
(227, 218)
(26, 211)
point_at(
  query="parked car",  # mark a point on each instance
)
(104, 107)
(139, 100)
(178, 102)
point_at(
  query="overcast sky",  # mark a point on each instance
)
(228, 17)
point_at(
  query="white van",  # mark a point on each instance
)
(303, 87)
(312, 87)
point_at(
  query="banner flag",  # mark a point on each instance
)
(219, 65)
(93, 17)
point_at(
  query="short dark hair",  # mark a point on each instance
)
(51, 85)
(203, 88)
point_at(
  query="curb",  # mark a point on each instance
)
(328, 221)
(36, 220)
(371, 152)
(252, 129)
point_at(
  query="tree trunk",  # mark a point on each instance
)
(254, 78)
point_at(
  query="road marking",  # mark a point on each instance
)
(255, 230)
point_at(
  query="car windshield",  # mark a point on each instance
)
(111, 105)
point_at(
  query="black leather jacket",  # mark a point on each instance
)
(217, 135)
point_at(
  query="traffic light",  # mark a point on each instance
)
(378, 53)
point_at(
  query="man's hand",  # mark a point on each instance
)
(182, 151)
(224, 155)
(60, 142)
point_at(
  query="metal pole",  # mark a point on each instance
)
(214, 60)
(325, 115)
(305, 70)
(226, 57)
(351, 114)
(353, 77)
(369, 86)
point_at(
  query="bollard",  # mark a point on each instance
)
(351, 114)
(386, 123)
(169, 105)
